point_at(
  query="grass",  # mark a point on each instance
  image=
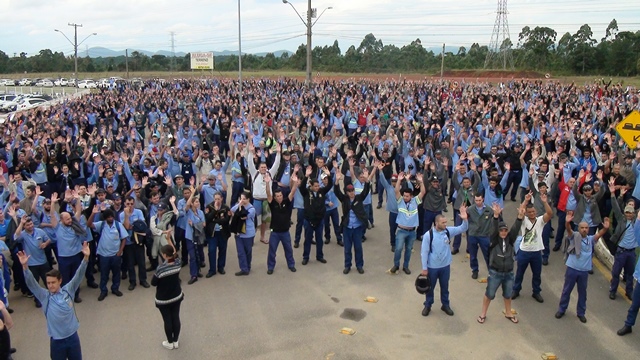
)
(579, 80)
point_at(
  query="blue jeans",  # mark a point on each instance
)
(524, 259)
(68, 265)
(109, 264)
(333, 216)
(571, 277)
(353, 237)
(66, 349)
(274, 240)
(562, 227)
(245, 247)
(497, 279)
(475, 242)
(404, 239)
(624, 259)
(196, 252)
(442, 275)
(635, 305)
(217, 249)
(393, 226)
(299, 225)
(309, 232)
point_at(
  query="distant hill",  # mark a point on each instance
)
(95, 52)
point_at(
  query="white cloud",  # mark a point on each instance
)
(272, 25)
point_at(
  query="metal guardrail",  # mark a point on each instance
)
(55, 91)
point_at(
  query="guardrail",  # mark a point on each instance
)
(52, 91)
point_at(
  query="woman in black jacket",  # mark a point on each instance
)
(169, 295)
(217, 216)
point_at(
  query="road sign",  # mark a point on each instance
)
(629, 129)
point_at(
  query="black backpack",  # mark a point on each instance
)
(431, 238)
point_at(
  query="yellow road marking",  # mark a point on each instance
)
(607, 274)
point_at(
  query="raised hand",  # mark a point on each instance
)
(86, 251)
(496, 209)
(569, 217)
(463, 212)
(24, 258)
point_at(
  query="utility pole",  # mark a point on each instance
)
(239, 62)
(86, 50)
(75, 47)
(126, 61)
(442, 63)
(311, 14)
(309, 58)
(173, 50)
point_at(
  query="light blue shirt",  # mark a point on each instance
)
(583, 262)
(58, 308)
(441, 255)
(68, 242)
(636, 231)
(46, 219)
(182, 216)
(391, 203)
(31, 243)
(111, 237)
(408, 212)
(135, 216)
(195, 217)
(628, 240)
(359, 188)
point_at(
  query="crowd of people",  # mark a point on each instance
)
(141, 179)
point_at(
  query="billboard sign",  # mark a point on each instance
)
(202, 61)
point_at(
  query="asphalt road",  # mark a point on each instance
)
(299, 315)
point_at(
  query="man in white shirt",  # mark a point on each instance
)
(259, 193)
(529, 250)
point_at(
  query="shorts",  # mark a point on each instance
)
(496, 279)
(263, 212)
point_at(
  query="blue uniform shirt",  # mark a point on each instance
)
(359, 187)
(68, 242)
(195, 217)
(46, 219)
(408, 212)
(441, 254)
(31, 243)
(250, 225)
(110, 237)
(135, 215)
(584, 262)
(58, 308)
(392, 204)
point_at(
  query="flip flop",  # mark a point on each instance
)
(264, 241)
(481, 319)
(513, 319)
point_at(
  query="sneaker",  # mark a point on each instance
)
(132, 286)
(326, 241)
(145, 284)
(192, 280)
(29, 295)
(117, 293)
(406, 270)
(394, 270)
(102, 296)
(167, 345)
(176, 345)
(474, 275)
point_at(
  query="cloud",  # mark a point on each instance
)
(272, 25)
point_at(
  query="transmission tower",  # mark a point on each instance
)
(499, 53)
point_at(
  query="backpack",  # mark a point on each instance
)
(431, 238)
(141, 232)
(118, 225)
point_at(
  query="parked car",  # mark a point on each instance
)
(7, 82)
(24, 82)
(103, 83)
(61, 82)
(73, 82)
(44, 83)
(7, 98)
(30, 103)
(87, 84)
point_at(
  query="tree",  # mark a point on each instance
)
(537, 43)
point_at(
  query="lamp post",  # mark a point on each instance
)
(239, 63)
(309, 25)
(75, 44)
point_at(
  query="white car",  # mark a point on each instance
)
(7, 98)
(30, 103)
(7, 82)
(44, 83)
(103, 83)
(72, 82)
(25, 82)
(61, 82)
(87, 84)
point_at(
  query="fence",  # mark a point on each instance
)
(51, 91)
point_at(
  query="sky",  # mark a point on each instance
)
(269, 25)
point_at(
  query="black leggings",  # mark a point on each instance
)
(171, 317)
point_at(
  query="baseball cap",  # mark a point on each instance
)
(587, 187)
(101, 191)
(541, 174)
(178, 176)
(394, 177)
(629, 209)
(162, 206)
(116, 196)
(502, 225)
(362, 160)
(434, 178)
(350, 187)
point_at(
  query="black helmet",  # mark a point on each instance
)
(423, 284)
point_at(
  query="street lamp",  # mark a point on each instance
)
(75, 44)
(310, 14)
